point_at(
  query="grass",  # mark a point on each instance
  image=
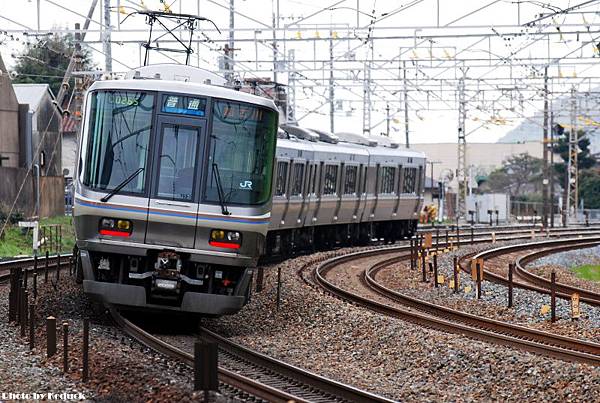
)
(588, 272)
(16, 243)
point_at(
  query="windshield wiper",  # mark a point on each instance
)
(121, 185)
(217, 176)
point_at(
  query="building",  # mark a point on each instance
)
(30, 138)
(9, 121)
(483, 158)
(45, 140)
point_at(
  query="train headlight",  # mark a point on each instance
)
(225, 239)
(115, 227)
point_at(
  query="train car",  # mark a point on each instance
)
(173, 191)
(182, 186)
(339, 190)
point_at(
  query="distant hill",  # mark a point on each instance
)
(531, 129)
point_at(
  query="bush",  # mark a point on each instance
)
(15, 217)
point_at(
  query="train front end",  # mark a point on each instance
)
(173, 194)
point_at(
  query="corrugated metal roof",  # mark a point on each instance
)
(32, 94)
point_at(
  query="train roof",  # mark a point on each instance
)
(348, 148)
(183, 87)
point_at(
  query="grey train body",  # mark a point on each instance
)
(342, 194)
(173, 208)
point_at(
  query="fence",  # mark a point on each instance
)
(525, 211)
(51, 192)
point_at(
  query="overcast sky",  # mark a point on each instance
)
(429, 121)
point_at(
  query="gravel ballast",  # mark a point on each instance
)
(391, 357)
(121, 370)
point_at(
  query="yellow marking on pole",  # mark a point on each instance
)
(440, 279)
(451, 284)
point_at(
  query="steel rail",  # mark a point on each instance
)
(248, 385)
(501, 279)
(428, 315)
(335, 389)
(563, 289)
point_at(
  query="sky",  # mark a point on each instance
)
(431, 119)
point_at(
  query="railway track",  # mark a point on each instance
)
(273, 380)
(590, 297)
(443, 318)
(266, 378)
(28, 264)
(529, 281)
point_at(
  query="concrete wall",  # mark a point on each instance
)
(9, 120)
(52, 197)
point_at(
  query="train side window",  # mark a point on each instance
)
(420, 182)
(409, 180)
(321, 172)
(307, 183)
(387, 179)
(297, 177)
(280, 184)
(400, 178)
(364, 185)
(330, 179)
(350, 180)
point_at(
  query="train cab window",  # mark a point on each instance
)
(410, 175)
(297, 179)
(350, 180)
(177, 162)
(281, 182)
(330, 179)
(420, 181)
(387, 179)
(241, 153)
(118, 140)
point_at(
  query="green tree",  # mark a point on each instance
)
(589, 188)
(585, 159)
(519, 175)
(45, 60)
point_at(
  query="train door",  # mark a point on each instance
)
(359, 194)
(173, 202)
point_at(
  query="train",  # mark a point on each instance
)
(182, 185)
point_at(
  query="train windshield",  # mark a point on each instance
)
(119, 134)
(241, 152)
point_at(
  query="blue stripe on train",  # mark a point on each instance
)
(173, 214)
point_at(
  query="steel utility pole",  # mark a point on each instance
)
(229, 47)
(106, 45)
(461, 172)
(572, 169)
(65, 83)
(387, 120)
(545, 153)
(405, 104)
(290, 115)
(552, 169)
(331, 84)
(367, 100)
